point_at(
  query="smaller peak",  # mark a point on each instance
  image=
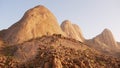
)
(107, 30)
(75, 25)
(39, 6)
(66, 22)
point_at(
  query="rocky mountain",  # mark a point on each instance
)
(37, 41)
(107, 38)
(104, 43)
(72, 30)
(36, 22)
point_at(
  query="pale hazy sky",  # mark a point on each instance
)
(91, 15)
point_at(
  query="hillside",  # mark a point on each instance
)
(56, 51)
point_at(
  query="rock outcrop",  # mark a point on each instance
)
(107, 38)
(72, 30)
(57, 63)
(36, 22)
(104, 43)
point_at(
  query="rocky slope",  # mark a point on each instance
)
(56, 51)
(36, 22)
(72, 30)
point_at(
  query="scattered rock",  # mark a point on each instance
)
(57, 63)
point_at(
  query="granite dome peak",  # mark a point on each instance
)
(36, 22)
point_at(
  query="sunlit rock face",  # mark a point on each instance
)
(107, 38)
(72, 30)
(36, 22)
(105, 43)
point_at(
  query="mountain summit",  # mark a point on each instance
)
(107, 38)
(36, 22)
(72, 30)
(105, 43)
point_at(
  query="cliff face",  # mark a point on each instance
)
(72, 30)
(36, 22)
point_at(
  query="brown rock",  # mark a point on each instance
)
(76, 66)
(72, 30)
(1, 42)
(26, 51)
(78, 31)
(36, 22)
(57, 63)
(46, 65)
(118, 44)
